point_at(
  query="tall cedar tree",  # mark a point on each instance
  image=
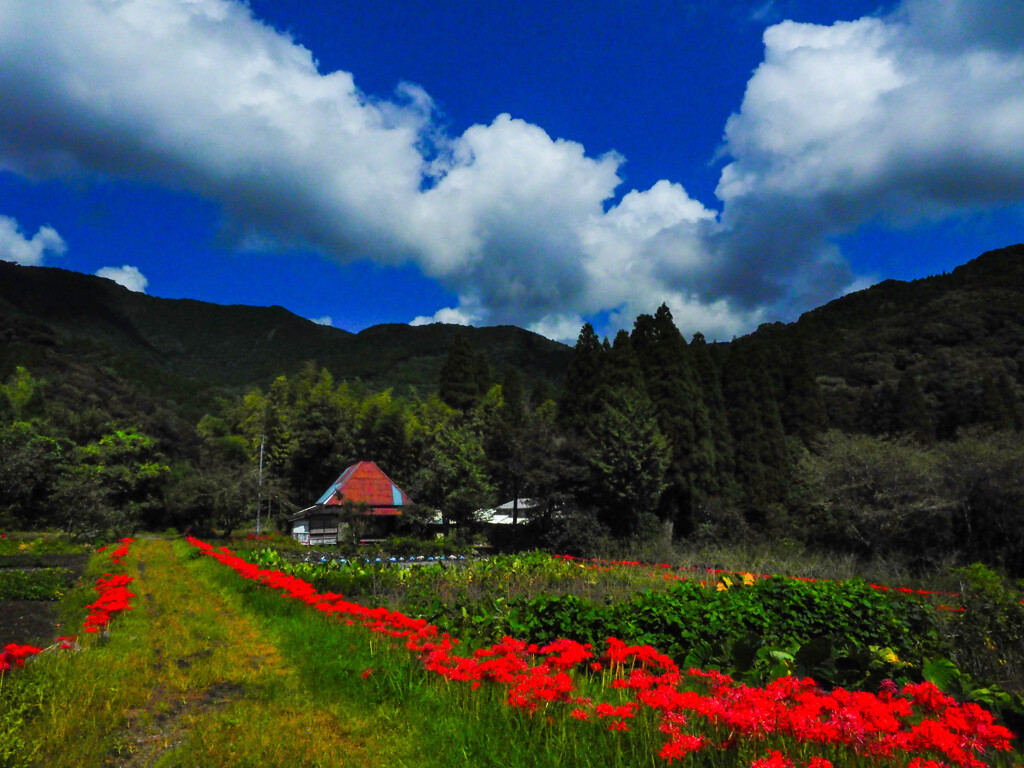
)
(911, 415)
(710, 381)
(625, 451)
(674, 391)
(761, 459)
(580, 398)
(801, 404)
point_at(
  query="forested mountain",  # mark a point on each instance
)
(181, 348)
(957, 339)
(885, 423)
(959, 335)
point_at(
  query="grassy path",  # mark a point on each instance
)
(197, 676)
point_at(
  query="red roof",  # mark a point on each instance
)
(365, 483)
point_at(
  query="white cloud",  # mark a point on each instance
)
(128, 276)
(879, 119)
(875, 120)
(211, 100)
(560, 327)
(325, 320)
(28, 251)
(450, 315)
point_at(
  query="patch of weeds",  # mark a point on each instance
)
(35, 584)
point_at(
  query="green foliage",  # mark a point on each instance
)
(36, 584)
(841, 633)
(23, 697)
(452, 476)
(627, 459)
(987, 638)
(102, 391)
(22, 395)
(922, 503)
(827, 630)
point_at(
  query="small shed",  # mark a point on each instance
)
(363, 484)
(521, 509)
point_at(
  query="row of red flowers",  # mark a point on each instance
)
(113, 592)
(695, 710)
(113, 598)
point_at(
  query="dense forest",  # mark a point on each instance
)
(886, 423)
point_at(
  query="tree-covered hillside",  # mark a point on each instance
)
(176, 348)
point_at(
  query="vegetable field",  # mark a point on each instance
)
(204, 656)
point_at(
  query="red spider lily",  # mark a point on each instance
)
(121, 552)
(775, 760)
(14, 655)
(113, 594)
(680, 746)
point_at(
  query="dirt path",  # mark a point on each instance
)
(190, 677)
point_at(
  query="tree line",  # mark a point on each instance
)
(650, 436)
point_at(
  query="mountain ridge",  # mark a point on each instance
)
(952, 330)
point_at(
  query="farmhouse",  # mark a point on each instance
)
(362, 488)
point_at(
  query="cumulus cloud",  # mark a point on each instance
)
(882, 119)
(28, 251)
(449, 315)
(876, 120)
(128, 276)
(325, 320)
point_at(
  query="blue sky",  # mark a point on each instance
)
(531, 163)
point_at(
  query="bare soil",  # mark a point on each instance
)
(35, 622)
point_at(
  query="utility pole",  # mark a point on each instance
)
(259, 487)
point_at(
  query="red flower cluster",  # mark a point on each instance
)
(121, 552)
(113, 591)
(114, 595)
(918, 720)
(14, 655)
(918, 723)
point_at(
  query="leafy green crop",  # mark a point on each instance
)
(35, 584)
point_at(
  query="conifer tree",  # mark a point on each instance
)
(579, 399)
(710, 382)
(673, 388)
(762, 464)
(802, 406)
(998, 404)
